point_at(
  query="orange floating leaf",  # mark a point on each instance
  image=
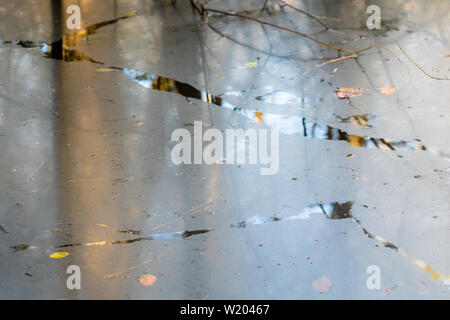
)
(259, 116)
(387, 90)
(344, 93)
(147, 280)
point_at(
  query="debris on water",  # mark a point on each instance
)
(435, 275)
(322, 285)
(156, 236)
(59, 255)
(188, 234)
(147, 280)
(104, 69)
(387, 90)
(127, 231)
(358, 119)
(251, 64)
(390, 289)
(130, 231)
(259, 116)
(345, 93)
(27, 44)
(336, 210)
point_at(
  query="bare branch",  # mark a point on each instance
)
(419, 67)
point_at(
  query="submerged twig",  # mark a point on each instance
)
(30, 177)
(264, 6)
(326, 44)
(113, 275)
(194, 209)
(353, 52)
(305, 13)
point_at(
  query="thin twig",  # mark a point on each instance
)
(30, 177)
(336, 60)
(330, 61)
(305, 13)
(264, 6)
(195, 209)
(113, 275)
(419, 67)
(329, 45)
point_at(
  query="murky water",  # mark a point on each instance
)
(285, 124)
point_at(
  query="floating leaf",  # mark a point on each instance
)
(59, 255)
(139, 122)
(104, 69)
(251, 64)
(344, 93)
(322, 285)
(259, 116)
(147, 280)
(387, 90)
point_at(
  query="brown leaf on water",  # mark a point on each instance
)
(387, 90)
(322, 285)
(344, 93)
(147, 280)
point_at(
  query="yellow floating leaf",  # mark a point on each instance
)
(59, 255)
(104, 69)
(387, 90)
(259, 116)
(251, 64)
(139, 122)
(147, 280)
